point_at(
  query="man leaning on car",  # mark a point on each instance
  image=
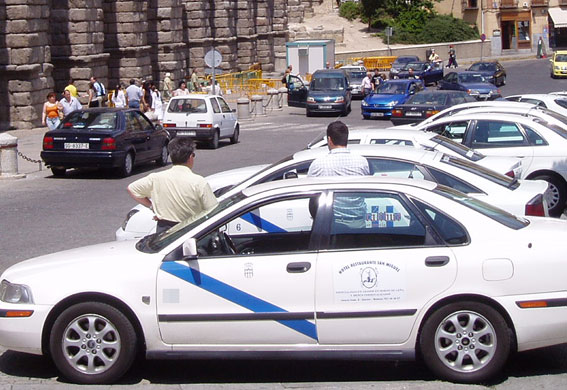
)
(177, 193)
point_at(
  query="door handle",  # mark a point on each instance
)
(436, 261)
(295, 268)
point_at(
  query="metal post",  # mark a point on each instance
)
(9, 157)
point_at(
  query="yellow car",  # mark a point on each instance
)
(559, 64)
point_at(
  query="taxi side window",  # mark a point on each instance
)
(497, 134)
(132, 123)
(394, 168)
(449, 230)
(278, 227)
(373, 220)
(145, 124)
(452, 130)
(224, 105)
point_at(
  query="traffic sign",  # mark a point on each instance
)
(213, 58)
(483, 37)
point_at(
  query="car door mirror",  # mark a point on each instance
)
(190, 249)
(290, 175)
(158, 128)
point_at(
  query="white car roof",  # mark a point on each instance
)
(490, 116)
(541, 96)
(369, 150)
(194, 96)
(334, 180)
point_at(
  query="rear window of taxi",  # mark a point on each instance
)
(84, 120)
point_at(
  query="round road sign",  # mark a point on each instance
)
(213, 58)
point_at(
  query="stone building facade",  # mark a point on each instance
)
(45, 43)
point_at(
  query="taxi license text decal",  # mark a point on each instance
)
(368, 281)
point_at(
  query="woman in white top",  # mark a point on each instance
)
(182, 90)
(118, 97)
(157, 104)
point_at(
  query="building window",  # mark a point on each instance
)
(524, 30)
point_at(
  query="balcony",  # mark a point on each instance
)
(541, 3)
(508, 3)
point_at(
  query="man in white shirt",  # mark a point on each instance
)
(175, 194)
(69, 103)
(366, 84)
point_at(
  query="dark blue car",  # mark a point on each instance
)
(429, 72)
(472, 83)
(390, 93)
(492, 71)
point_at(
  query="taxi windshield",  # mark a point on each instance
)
(392, 89)
(157, 241)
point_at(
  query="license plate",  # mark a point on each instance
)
(186, 133)
(413, 113)
(323, 107)
(376, 114)
(76, 145)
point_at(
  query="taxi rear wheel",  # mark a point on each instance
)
(214, 143)
(558, 194)
(164, 155)
(92, 343)
(466, 342)
(127, 166)
(235, 135)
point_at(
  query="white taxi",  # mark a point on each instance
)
(518, 197)
(383, 269)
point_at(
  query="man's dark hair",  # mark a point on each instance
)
(180, 148)
(338, 132)
(132, 81)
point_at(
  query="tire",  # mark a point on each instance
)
(235, 135)
(94, 333)
(164, 156)
(127, 166)
(503, 81)
(58, 171)
(473, 351)
(556, 202)
(214, 142)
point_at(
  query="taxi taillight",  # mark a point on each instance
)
(47, 143)
(535, 207)
(207, 125)
(397, 112)
(169, 125)
(510, 173)
(108, 143)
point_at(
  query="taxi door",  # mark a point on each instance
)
(381, 268)
(296, 92)
(252, 282)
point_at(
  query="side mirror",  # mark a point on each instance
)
(190, 249)
(290, 175)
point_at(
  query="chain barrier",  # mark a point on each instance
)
(30, 159)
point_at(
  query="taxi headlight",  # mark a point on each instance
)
(310, 99)
(556, 67)
(364, 103)
(14, 293)
(339, 99)
(128, 216)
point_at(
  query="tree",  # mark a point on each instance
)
(369, 9)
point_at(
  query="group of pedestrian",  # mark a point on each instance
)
(372, 82)
(452, 55)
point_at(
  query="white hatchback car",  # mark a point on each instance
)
(369, 267)
(518, 197)
(202, 117)
(541, 145)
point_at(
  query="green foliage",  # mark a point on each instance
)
(349, 10)
(431, 29)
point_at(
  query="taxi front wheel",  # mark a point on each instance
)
(467, 342)
(92, 343)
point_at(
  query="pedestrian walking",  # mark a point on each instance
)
(366, 84)
(99, 91)
(452, 57)
(69, 103)
(52, 111)
(175, 194)
(146, 103)
(133, 95)
(376, 80)
(71, 88)
(167, 87)
(119, 97)
(93, 101)
(157, 103)
(194, 82)
(182, 90)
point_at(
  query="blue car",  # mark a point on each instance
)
(379, 104)
(472, 83)
(429, 72)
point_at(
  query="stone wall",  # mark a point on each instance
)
(46, 43)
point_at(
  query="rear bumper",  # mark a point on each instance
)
(197, 133)
(83, 159)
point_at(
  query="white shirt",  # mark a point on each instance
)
(339, 162)
(134, 93)
(119, 99)
(157, 104)
(366, 83)
(69, 107)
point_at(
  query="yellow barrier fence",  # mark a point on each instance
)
(236, 82)
(383, 64)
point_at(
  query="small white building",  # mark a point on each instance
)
(307, 56)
